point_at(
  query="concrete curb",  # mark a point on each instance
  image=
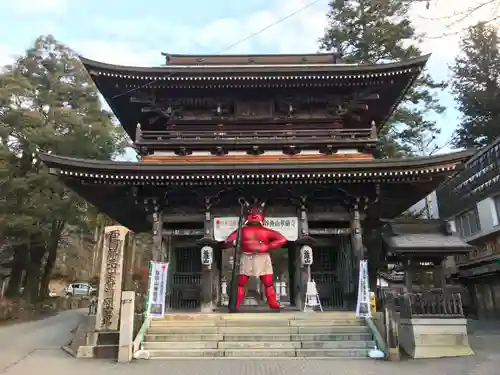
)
(68, 350)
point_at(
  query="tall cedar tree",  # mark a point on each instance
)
(367, 31)
(47, 104)
(476, 85)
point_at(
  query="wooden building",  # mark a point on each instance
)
(475, 209)
(297, 131)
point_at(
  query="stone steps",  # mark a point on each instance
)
(257, 316)
(259, 353)
(256, 330)
(362, 336)
(258, 345)
(258, 323)
(329, 335)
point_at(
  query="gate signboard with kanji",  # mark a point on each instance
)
(287, 226)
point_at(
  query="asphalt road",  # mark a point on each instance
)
(35, 347)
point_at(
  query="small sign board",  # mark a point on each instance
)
(312, 297)
(363, 307)
(157, 292)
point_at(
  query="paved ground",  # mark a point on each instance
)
(35, 348)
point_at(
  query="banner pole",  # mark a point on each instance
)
(146, 310)
(233, 289)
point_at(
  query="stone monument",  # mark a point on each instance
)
(110, 283)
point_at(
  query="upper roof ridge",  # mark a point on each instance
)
(260, 59)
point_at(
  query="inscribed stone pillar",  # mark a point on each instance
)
(110, 283)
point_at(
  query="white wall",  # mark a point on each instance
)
(433, 204)
(488, 219)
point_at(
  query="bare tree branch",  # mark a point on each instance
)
(456, 32)
(462, 14)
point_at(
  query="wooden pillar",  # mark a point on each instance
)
(158, 251)
(303, 272)
(409, 274)
(372, 271)
(129, 263)
(439, 279)
(168, 258)
(356, 234)
(208, 248)
(358, 250)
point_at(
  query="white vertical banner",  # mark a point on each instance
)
(157, 289)
(363, 307)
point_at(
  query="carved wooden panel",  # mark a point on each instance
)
(254, 109)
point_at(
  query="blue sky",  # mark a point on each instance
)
(135, 32)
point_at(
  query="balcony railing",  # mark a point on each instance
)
(395, 295)
(431, 304)
(480, 179)
(251, 136)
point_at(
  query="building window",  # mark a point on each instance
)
(468, 223)
(497, 206)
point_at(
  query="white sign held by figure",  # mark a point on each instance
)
(312, 297)
(363, 307)
(157, 289)
(287, 226)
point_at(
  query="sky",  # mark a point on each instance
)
(136, 32)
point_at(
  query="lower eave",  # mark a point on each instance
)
(365, 169)
(107, 184)
(431, 251)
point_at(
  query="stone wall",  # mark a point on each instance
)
(19, 311)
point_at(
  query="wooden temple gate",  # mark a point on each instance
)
(214, 131)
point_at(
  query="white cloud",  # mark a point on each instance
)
(6, 55)
(116, 53)
(37, 6)
(297, 34)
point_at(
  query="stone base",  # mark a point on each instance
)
(87, 343)
(434, 338)
(394, 354)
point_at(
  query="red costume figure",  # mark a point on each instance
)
(256, 243)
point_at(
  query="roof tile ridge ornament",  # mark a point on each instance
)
(167, 58)
(337, 56)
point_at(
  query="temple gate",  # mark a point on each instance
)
(298, 132)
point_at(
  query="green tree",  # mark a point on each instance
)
(476, 85)
(367, 31)
(47, 104)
